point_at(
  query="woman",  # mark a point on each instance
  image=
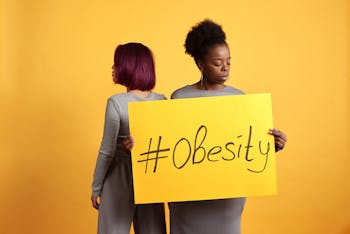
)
(133, 68)
(206, 43)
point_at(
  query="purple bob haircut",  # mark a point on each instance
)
(134, 67)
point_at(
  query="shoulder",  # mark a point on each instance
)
(181, 92)
(158, 96)
(117, 97)
(117, 100)
(233, 90)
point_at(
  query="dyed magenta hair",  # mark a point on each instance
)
(134, 67)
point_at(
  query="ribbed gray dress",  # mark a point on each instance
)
(113, 177)
(212, 216)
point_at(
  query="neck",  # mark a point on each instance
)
(139, 93)
(204, 85)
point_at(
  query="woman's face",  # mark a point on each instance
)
(216, 64)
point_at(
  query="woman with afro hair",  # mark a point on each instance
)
(206, 43)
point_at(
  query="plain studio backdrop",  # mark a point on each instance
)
(56, 59)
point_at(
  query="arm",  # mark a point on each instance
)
(107, 149)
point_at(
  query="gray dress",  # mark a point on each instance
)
(113, 177)
(211, 216)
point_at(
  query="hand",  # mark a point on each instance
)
(94, 201)
(128, 143)
(280, 139)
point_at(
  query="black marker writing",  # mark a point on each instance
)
(189, 153)
(199, 147)
(201, 153)
(156, 152)
(248, 146)
(265, 154)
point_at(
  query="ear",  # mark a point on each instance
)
(200, 64)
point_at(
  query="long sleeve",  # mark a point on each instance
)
(108, 146)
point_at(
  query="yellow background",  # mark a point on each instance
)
(56, 59)
(206, 123)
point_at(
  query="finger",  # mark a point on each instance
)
(277, 133)
(128, 138)
(280, 141)
(274, 132)
(95, 203)
(129, 146)
(279, 145)
(132, 139)
(126, 145)
(281, 134)
(126, 141)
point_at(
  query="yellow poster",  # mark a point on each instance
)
(202, 148)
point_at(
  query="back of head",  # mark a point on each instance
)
(134, 67)
(202, 36)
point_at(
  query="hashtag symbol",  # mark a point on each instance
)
(154, 153)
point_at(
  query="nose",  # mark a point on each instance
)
(226, 67)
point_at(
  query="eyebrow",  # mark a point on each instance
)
(220, 58)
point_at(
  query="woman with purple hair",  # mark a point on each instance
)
(112, 183)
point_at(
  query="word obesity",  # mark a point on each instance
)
(195, 152)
